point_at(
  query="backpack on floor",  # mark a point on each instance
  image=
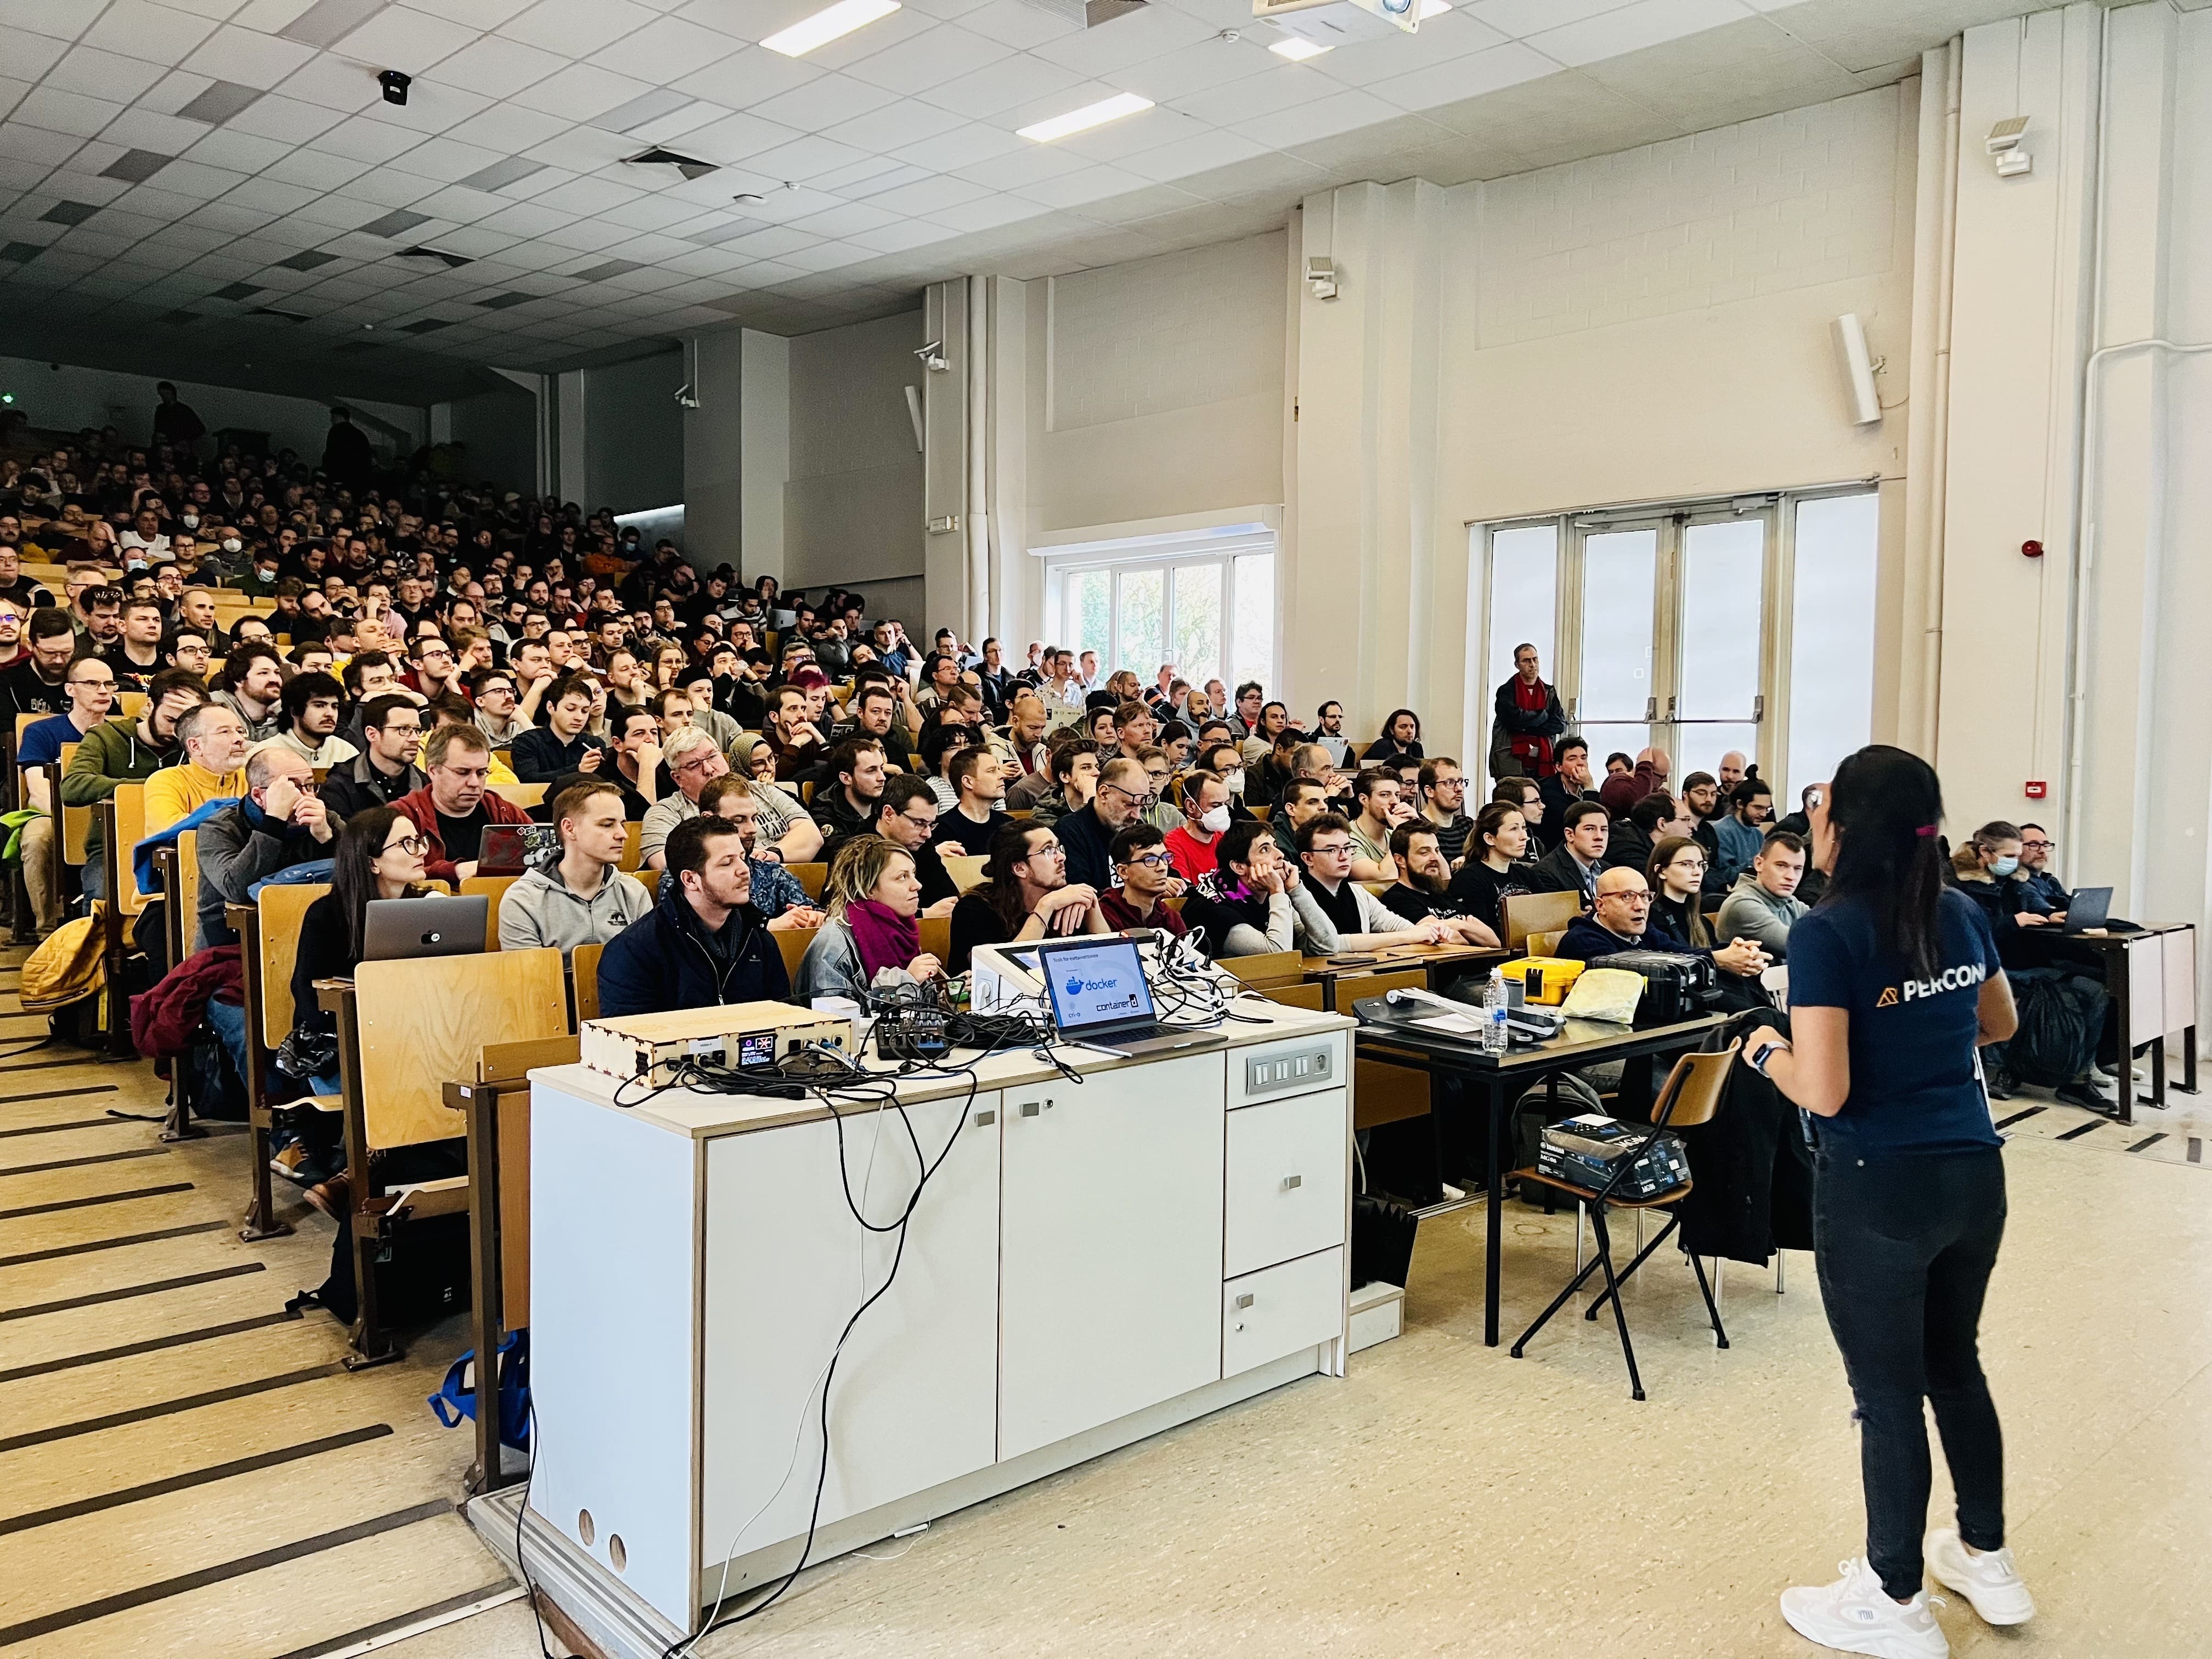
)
(64, 977)
(455, 1402)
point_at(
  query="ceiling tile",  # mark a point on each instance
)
(268, 196)
(1152, 33)
(1256, 95)
(576, 29)
(653, 51)
(747, 77)
(61, 20)
(1000, 86)
(802, 159)
(195, 179)
(137, 28)
(580, 92)
(587, 197)
(888, 131)
(1195, 69)
(316, 169)
(1318, 119)
(1522, 18)
(361, 139)
(736, 138)
(929, 58)
(241, 55)
(1465, 77)
(70, 112)
(37, 145)
(242, 152)
(901, 234)
(404, 38)
(497, 67)
(287, 119)
(1644, 23)
(823, 103)
(1185, 156)
(505, 129)
(104, 74)
(446, 160)
(1440, 39)
(333, 83)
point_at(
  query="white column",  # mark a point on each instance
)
(572, 450)
(766, 440)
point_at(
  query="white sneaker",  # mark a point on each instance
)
(1990, 1581)
(1856, 1615)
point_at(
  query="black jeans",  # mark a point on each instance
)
(1905, 1247)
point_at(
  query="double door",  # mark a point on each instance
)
(1668, 639)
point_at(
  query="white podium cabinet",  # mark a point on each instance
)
(1094, 1261)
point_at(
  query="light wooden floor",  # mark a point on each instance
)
(1444, 1498)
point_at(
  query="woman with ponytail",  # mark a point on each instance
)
(1894, 983)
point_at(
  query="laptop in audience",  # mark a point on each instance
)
(2090, 910)
(436, 926)
(1100, 1000)
(508, 849)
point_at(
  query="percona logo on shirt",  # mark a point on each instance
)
(1951, 979)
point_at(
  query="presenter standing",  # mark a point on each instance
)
(1894, 983)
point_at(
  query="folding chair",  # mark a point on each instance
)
(1693, 1096)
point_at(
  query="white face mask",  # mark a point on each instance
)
(1214, 821)
(192, 521)
(232, 545)
(1236, 782)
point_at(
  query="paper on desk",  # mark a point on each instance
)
(1457, 1024)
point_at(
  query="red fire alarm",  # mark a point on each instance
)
(2037, 788)
(2031, 550)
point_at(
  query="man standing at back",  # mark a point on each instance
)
(1527, 719)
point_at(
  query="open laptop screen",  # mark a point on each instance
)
(1097, 986)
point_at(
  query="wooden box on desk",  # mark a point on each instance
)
(650, 1046)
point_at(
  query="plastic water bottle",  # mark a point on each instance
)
(1493, 1014)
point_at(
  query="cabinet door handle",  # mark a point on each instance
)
(1029, 1108)
(984, 1120)
(1290, 1182)
(1245, 1300)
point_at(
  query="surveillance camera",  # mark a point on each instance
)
(933, 358)
(395, 84)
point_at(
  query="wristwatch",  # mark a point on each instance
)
(1766, 1055)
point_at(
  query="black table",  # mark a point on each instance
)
(1502, 1078)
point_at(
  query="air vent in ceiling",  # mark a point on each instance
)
(690, 166)
(1089, 14)
(69, 213)
(453, 261)
(427, 324)
(21, 253)
(180, 318)
(397, 222)
(136, 167)
(272, 311)
(238, 291)
(307, 260)
(501, 301)
(600, 272)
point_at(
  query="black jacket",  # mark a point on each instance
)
(357, 786)
(538, 756)
(1556, 798)
(1510, 720)
(661, 961)
(1557, 872)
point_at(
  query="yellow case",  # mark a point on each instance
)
(1547, 980)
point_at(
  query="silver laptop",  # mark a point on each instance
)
(436, 926)
(1100, 1000)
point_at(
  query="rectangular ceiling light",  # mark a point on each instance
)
(1298, 49)
(1090, 116)
(827, 25)
(1432, 8)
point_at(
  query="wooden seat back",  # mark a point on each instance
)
(584, 980)
(423, 1021)
(937, 937)
(812, 877)
(494, 888)
(128, 804)
(967, 872)
(1545, 945)
(632, 836)
(1693, 1092)
(652, 880)
(525, 795)
(1538, 913)
(185, 902)
(282, 907)
(76, 821)
(1298, 996)
(793, 941)
(130, 703)
(1266, 970)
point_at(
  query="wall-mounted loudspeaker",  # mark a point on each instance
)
(1857, 366)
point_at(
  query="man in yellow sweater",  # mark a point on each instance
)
(215, 743)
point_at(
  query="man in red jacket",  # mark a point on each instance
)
(452, 809)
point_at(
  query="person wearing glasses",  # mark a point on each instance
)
(2043, 890)
(380, 855)
(1026, 895)
(279, 822)
(906, 815)
(1621, 920)
(90, 689)
(1361, 921)
(1147, 872)
(692, 761)
(491, 691)
(391, 734)
(455, 806)
(1087, 835)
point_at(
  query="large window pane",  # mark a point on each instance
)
(1723, 567)
(1144, 622)
(1197, 653)
(1088, 624)
(1524, 584)
(1252, 644)
(1609, 738)
(1618, 575)
(1700, 747)
(1832, 635)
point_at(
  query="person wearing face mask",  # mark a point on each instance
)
(1192, 845)
(1987, 869)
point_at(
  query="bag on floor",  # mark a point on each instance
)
(456, 1398)
(1382, 1241)
(2061, 1017)
(423, 1276)
(64, 977)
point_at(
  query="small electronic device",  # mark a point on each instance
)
(915, 1034)
(1099, 998)
(738, 1037)
(436, 924)
(508, 849)
(1586, 1150)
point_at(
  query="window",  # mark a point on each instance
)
(1204, 602)
(1700, 627)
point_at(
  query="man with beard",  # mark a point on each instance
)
(1421, 893)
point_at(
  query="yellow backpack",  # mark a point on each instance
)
(67, 968)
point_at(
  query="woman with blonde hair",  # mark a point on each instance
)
(873, 898)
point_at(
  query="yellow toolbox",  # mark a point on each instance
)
(1545, 980)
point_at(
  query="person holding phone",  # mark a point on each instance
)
(1894, 983)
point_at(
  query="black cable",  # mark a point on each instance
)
(522, 1509)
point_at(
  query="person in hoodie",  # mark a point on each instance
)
(703, 942)
(583, 897)
(1622, 790)
(1762, 906)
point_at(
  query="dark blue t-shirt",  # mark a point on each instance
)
(42, 744)
(1913, 1086)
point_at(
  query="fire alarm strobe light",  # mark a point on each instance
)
(2031, 550)
(2037, 788)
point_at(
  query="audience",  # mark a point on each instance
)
(391, 734)
(1495, 868)
(1619, 920)
(1423, 892)
(1256, 901)
(703, 942)
(1736, 837)
(778, 895)
(456, 805)
(1087, 834)
(1190, 846)
(582, 897)
(871, 939)
(1527, 719)
(1359, 919)
(1026, 895)
(1572, 866)
(975, 821)
(1146, 871)
(1762, 907)
(214, 739)
(281, 821)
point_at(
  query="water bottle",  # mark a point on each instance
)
(1493, 1014)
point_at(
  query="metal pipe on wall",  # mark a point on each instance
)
(979, 537)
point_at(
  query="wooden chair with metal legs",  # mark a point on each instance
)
(1692, 1096)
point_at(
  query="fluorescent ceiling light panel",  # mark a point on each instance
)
(1432, 8)
(828, 24)
(1090, 116)
(1298, 49)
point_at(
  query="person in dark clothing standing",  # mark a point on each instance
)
(1894, 982)
(1527, 719)
(175, 421)
(347, 456)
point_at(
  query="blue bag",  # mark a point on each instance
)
(456, 1398)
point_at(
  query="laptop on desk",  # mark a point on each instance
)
(436, 926)
(1100, 1000)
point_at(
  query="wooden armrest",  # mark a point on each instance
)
(319, 1102)
(330, 993)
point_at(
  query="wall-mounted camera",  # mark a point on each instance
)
(395, 83)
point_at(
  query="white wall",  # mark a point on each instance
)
(498, 430)
(853, 504)
(634, 428)
(66, 398)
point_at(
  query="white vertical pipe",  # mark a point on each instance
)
(979, 536)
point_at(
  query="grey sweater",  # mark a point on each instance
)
(541, 909)
(1753, 913)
